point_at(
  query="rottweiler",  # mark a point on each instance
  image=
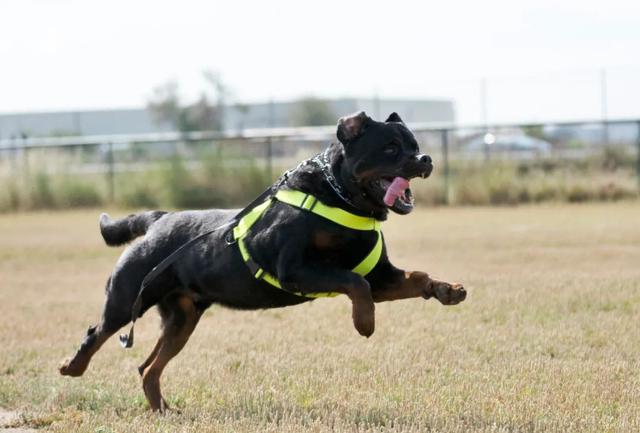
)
(316, 234)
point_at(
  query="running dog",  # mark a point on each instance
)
(317, 233)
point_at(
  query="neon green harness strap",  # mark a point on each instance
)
(309, 203)
(335, 214)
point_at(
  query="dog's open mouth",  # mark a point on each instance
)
(395, 193)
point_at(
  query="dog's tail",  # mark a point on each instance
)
(119, 232)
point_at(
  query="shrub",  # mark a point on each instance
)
(210, 181)
(429, 193)
(175, 181)
(10, 196)
(614, 158)
(139, 196)
(578, 193)
(42, 195)
(502, 184)
(469, 192)
(77, 193)
(611, 191)
(543, 187)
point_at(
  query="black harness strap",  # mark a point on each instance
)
(126, 340)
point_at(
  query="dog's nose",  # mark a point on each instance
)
(426, 159)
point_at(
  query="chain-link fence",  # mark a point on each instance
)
(498, 164)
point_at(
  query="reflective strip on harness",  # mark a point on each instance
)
(250, 219)
(335, 214)
(309, 203)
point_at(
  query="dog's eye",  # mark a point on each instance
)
(391, 149)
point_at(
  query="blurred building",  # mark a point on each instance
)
(236, 117)
(93, 122)
(282, 114)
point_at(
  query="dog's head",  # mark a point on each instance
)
(379, 156)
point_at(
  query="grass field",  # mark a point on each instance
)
(548, 339)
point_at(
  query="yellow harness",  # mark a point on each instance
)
(311, 204)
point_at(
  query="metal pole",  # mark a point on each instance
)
(272, 122)
(25, 156)
(25, 163)
(603, 102)
(638, 154)
(269, 159)
(110, 173)
(485, 114)
(445, 159)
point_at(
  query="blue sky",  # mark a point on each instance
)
(541, 59)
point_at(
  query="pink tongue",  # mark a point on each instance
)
(395, 190)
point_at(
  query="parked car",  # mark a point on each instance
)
(519, 145)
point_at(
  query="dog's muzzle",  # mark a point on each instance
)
(426, 165)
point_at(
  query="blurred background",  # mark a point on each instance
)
(199, 104)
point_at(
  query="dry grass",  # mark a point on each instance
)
(547, 341)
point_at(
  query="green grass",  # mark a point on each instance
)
(547, 340)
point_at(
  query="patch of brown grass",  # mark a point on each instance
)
(547, 340)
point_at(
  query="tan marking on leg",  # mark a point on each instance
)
(173, 340)
(419, 284)
(413, 285)
(151, 356)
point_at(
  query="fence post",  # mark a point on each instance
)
(445, 159)
(269, 159)
(638, 154)
(110, 173)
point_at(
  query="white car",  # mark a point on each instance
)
(518, 144)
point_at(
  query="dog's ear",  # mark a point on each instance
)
(394, 117)
(350, 127)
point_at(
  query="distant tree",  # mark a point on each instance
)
(221, 94)
(201, 116)
(164, 105)
(310, 111)
(536, 131)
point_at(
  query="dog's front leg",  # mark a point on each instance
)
(309, 279)
(389, 284)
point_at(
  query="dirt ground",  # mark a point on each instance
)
(547, 340)
(8, 419)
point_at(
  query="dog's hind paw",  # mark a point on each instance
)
(70, 368)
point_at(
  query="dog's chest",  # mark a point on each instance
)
(341, 248)
(286, 235)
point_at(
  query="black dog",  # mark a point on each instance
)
(318, 234)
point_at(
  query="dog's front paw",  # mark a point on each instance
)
(364, 318)
(449, 294)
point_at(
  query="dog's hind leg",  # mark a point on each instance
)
(151, 356)
(121, 293)
(77, 365)
(180, 317)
